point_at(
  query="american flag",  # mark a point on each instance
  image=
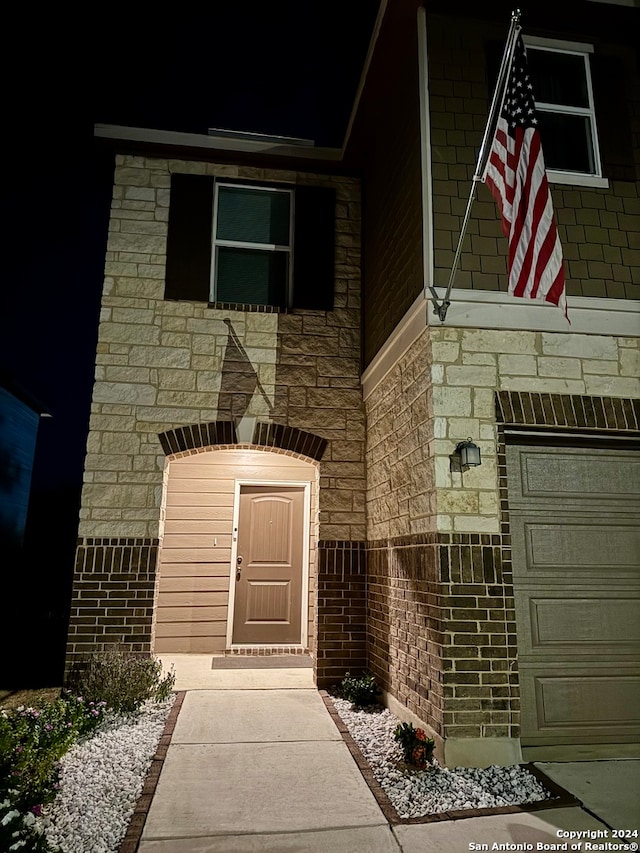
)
(516, 176)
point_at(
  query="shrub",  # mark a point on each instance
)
(361, 692)
(122, 679)
(417, 748)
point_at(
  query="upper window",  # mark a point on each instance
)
(252, 230)
(247, 244)
(561, 78)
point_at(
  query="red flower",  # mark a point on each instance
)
(419, 756)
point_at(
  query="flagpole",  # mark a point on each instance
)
(483, 156)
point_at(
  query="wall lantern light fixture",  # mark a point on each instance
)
(465, 456)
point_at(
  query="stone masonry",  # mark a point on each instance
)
(442, 636)
(158, 369)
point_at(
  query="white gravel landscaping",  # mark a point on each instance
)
(437, 789)
(101, 779)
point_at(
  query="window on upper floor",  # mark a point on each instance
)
(583, 101)
(563, 91)
(249, 244)
(252, 250)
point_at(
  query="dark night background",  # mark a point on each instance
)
(287, 68)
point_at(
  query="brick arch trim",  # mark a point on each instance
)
(195, 436)
(568, 411)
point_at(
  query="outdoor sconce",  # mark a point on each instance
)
(244, 429)
(465, 456)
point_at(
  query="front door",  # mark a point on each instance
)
(269, 564)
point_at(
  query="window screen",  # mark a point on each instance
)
(564, 103)
(252, 245)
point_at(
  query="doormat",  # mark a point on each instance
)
(260, 661)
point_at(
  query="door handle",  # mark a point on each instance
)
(239, 569)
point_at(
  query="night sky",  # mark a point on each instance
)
(286, 68)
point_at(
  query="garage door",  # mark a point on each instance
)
(574, 514)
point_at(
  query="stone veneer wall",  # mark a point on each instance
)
(158, 371)
(442, 635)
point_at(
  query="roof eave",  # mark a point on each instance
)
(212, 142)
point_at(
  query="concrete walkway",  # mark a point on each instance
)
(265, 769)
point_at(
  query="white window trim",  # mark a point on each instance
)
(561, 176)
(239, 244)
(576, 179)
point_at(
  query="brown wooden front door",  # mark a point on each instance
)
(268, 577)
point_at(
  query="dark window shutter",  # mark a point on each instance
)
(314, 248)
(189, 238)
(612, 117)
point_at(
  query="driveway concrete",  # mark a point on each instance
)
(530, 828)
(610, 789)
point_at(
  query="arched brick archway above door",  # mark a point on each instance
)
(195, 436)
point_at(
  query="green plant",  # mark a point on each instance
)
(361, 692)
(122, 679)
(32, 741)
(417, 748)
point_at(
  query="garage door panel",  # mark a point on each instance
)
(600, 623)
(556, 546)
(579, 705)
(588, 475)
(575, 530)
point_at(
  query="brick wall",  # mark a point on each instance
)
(113, 595)
(442, 635)
(442, 630)
(342, 626)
